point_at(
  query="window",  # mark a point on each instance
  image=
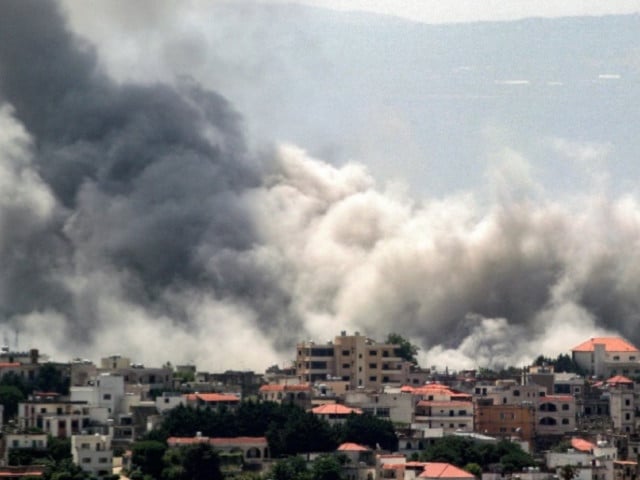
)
(616, 357)
(318, 365)
(565, 406)
(627, 402)
(106, 396)
(345, 352)
(382, 412)
(373, 378)
(462, 412)
(516, 393)
(373, 353)
(632, 358)
(86, 460)
(103, 460)
(373, 366)
(565, 421)
(85, 446)
(345, 365)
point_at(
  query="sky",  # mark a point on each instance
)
(433, 11)
(186, 179)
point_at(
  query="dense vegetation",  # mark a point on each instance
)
(504, 456)
(288, 428)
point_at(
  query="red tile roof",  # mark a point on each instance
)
(619, 379)
(9, 364)
(211, 397)
(582, 445)
(176, 441)
(334, 409)
(353, 447)
(611, 344)
(444, 470)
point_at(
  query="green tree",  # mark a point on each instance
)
(50, 378)
(405, 349)
(147, 455)
(10, 397)
(290, 468)
(474, 469)
(568, 472)
(326, 467)
(368, 430)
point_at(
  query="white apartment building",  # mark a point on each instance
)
(607, 356)
(93, 453)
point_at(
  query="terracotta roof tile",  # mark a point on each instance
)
(582, 445)
(611, 344)
(444, 470)
(211, 397)
(619, 379)
(334, 409)
(353, 447)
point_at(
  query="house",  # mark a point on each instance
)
(253, 450)
(591, 461)
(360, 462)
(555, 415)
(505, 420)
(46, 412)
(33, 442)
(93, 454)
(335, 412)
(299, 394)
(437, 470)
(397, 407)
(213, 400)
(607, 356)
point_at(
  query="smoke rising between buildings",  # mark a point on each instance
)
(134, 217)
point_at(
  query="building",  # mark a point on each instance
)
(360, 464)
(505, 420)
(334, 412)
(607, 356)
(93, 454)
(253, 450)
(555, 415)
(297, 394)
(60, 419)
(357, 359)
(397, 407)
(23, 441)
(213, 400)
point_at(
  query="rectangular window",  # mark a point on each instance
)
(373, 366)
(106, 396)
(345, 365)
(373, 378)
(345, 353)
(373, 353)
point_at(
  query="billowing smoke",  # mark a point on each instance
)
(134, 218)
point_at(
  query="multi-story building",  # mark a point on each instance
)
(354, 358)
(23, 441)
(555, 415)
(57, 418)
(622, 404)
(398, 407)
(93, 454)
(607, 356)
(512, 421)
